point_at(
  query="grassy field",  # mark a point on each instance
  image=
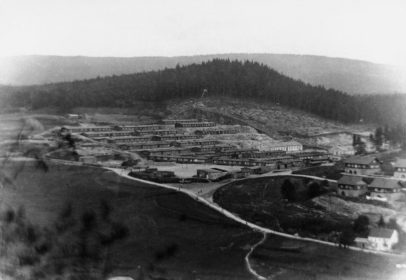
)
(203, 244)
(260, 201)
(295, 260)
(279, 120)
(13, 126)
(173, 236)
(329, 172)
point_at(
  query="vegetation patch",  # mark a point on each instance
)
(283, 203)
(170, 235)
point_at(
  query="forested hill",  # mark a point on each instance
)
(249, 80)
(348, 75)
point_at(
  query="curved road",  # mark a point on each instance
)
(123, 173)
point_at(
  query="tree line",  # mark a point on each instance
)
(217, 78)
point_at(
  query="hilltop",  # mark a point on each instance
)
(348, 75)
(216, 78)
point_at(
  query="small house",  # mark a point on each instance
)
(352, 186)
(384, 188)
(383, 239)
(211, 173)
(246, 171)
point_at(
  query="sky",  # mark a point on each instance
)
(369, 30)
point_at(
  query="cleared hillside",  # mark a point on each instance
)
(273, 119)
(348, 75)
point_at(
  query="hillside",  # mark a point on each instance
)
(216, 78)
(156, 219)
(279, 122)
(352, 76)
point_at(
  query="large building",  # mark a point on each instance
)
(400, 169)
(362, 165)
(173, 122)
(352, 186)
(81, 129)
(194, 124)
(290, 146)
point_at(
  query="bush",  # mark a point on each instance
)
(361, 225)
(67, 247)
(288, 191)
(314, 189)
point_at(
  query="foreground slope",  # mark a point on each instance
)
(172, 235)
(353, 76)
(201, 243)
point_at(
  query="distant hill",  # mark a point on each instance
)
(217, 78)
(352, 76)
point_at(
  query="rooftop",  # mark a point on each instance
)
(351, 180)
(210, 170)
(361, 159)
(401, 162)
(188, 120)
(385, 183)
(381, 232)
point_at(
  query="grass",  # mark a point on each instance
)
(315, 261)
(259, 200)
(171, 235)
(13, 126)
(278, 120)
(328, 172)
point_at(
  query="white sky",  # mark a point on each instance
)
(363, 29)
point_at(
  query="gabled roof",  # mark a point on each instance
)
(210, 170)
(361, 159)
(385, 183)
(401, 162)
(381, 232)
(351, 180)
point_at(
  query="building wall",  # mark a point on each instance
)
(351, 192)
(384, 244)
(287, 148)
(400, 175)
(209, 175)
(361, 171)
(389, 195)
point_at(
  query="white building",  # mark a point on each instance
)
(340, 151)
(383, 239)
(290, 146)
(400, 169)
